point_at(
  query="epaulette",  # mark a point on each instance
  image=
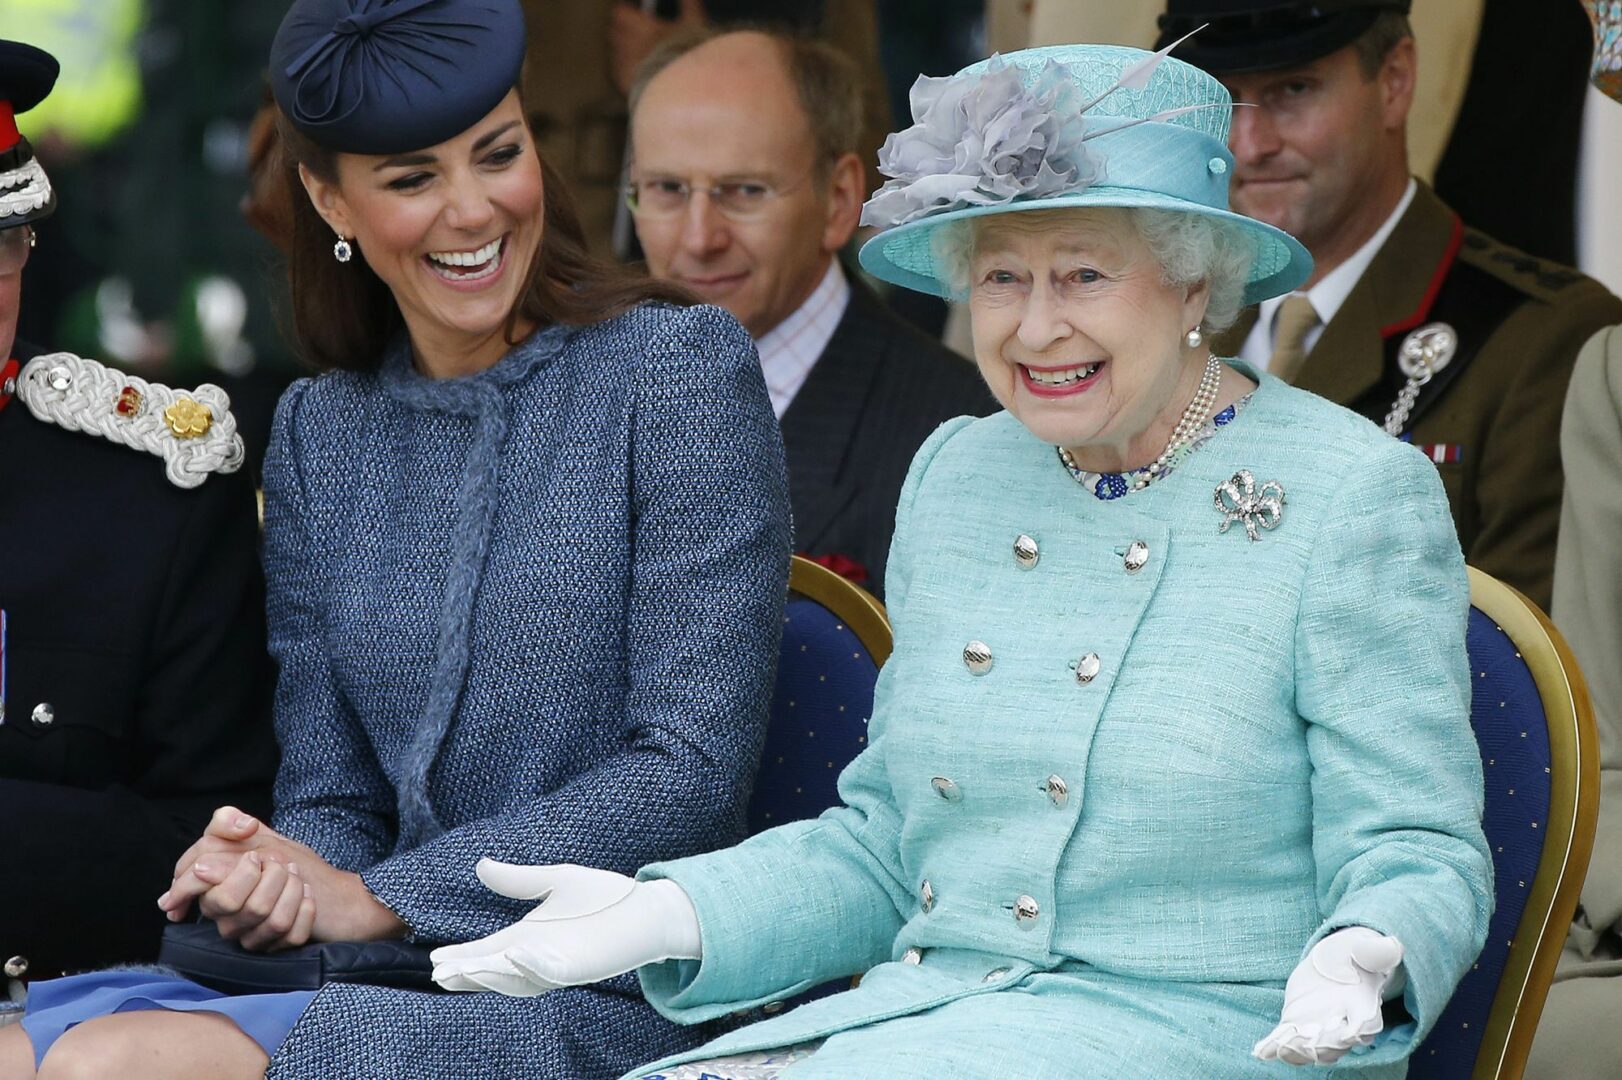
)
(1529, 274)
(193, 431)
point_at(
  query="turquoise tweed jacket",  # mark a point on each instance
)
(1048, 875)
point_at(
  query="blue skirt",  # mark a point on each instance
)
(58, 1004)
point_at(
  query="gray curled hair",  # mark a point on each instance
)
(1190, 248)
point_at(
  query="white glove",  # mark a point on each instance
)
(1332, 999)
(594, 924)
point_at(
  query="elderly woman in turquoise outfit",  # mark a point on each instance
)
(526, 544)
(1170, 773)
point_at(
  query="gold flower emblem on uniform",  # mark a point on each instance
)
(188, 419)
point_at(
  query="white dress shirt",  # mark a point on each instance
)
(1327, 296)
(790, 349)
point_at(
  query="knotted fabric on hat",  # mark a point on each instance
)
(390, 76)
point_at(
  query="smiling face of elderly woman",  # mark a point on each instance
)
(1079, 332)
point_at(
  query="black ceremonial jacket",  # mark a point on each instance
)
(136, 687)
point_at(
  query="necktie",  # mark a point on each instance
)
(1294, 319)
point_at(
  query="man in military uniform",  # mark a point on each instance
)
(134, 682)
(1449, 339)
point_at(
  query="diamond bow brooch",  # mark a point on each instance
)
(1239, 499)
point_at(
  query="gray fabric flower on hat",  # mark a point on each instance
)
(984, 140)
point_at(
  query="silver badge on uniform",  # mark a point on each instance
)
(1422, 355)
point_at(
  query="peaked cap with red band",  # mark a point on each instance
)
(26, 76)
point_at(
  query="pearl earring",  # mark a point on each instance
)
(342, 251)
(1194, 339)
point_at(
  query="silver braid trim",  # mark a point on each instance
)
(24, 190)
(83, 395)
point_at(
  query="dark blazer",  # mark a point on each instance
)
(876, 393)
(1491, 418)
(137, 687)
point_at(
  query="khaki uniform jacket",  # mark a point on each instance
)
(1491, 418)
(1578, 1036)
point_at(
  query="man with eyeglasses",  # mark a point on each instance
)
(134, 683)
(1449, 339)
(744, 185)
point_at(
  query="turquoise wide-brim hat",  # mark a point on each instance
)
(1056, 127)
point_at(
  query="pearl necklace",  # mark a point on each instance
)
(1189, 425)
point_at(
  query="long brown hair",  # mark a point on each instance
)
(344, 316)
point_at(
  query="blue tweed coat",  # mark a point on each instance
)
(531, 614)
(1275, 745)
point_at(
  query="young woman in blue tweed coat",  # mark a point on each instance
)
(527, 545)
(1170, 773)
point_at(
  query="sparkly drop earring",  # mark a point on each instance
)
(1194, 339)
(342, 250)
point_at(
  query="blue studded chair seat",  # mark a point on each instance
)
(824, 695)
(1507, 714)
(1539, 764)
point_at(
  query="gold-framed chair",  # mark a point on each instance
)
(1540, 760)
(858, 608)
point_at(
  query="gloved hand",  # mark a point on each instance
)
(1332, 999)
(592, 924)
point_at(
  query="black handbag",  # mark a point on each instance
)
(198, 952)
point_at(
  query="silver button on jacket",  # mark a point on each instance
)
(1137, 556)
(913, 955)
(1026, 912)
(977, 657)
(44, 715)
(1057, 789)
(1087, 668)
(946, 789)
(927, 895)
(1026, 553)
(16, 967)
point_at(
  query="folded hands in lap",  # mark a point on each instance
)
(269, 892)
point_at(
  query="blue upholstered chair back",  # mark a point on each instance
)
(1527, 707)
(834, 639)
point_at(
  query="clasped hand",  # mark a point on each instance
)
(590, 926)
(1332, 1000)
(268, 892)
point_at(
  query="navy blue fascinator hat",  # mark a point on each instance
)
(390, 76)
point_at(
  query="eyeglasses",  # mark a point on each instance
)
(15, 244)
(735, 200)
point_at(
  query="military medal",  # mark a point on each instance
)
(1423, 354)
(1442, 453)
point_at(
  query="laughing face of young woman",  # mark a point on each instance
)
(1078, 335)
(451, 230)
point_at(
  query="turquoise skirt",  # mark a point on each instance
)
(56, 1005)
